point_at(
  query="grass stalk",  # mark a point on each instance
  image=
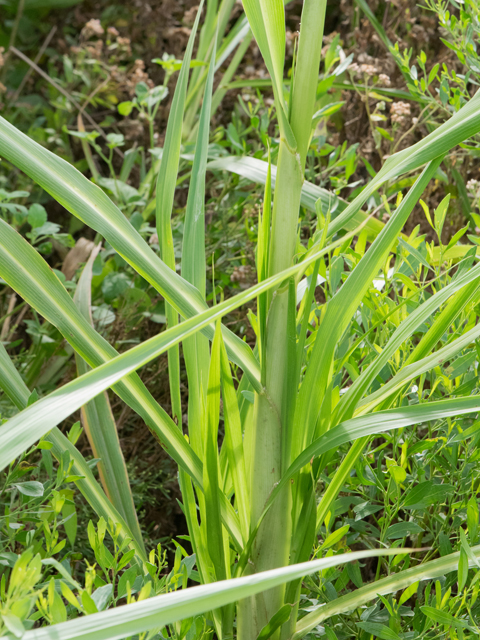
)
(272, 545)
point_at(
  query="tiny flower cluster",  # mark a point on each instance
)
(473, 187)
(92, 28)
(370, 70)
(363, 69)
(400, 112)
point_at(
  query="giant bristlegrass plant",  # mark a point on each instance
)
(250, 505)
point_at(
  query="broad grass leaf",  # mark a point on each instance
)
(99, 424)
(21, 431)
(401, 580)
(91, 205)
(257, 170)
(196, 347)
(106, 375)
(161, 610)
(166, 184)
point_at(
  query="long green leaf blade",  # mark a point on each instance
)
(464, 287)
(211, 475)
(165, 609)
(11, 381)
(396, 582)
(90, 204)
(257, 170)
(373, 424)
(166, 183)
(99, 424)
(14, 386)
(28, 274)
(234, 443)
(19, 432)
(196, 348)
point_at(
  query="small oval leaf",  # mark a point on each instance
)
(31, 488)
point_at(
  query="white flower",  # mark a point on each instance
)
(399, 112)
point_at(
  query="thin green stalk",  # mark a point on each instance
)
(13, 38)
(213, 29)
(196, 348)
(333, 489)
(166, 183)
(228, 75)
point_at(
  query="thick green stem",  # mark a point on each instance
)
(247, 624)
(273, 543)
(286, 205)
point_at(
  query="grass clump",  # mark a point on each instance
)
(326, 450)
